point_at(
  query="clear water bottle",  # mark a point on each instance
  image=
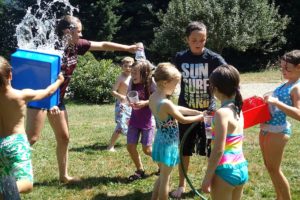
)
(140, 53)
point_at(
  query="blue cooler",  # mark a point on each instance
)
(36, 70)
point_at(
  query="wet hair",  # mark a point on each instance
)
(5, 70)
(127, 59)
(226, 79)
(194, 26)
(166, 72)
(144, 67)
(66, 22)
(292, 57)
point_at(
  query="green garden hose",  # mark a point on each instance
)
(187, 132)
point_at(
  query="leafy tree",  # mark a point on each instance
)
(292, 9)
(98, 18)
(237, 24)
(138, 18)
(11, 13)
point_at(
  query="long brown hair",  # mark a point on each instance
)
(227, 79)
(144, 67)
(66, 22)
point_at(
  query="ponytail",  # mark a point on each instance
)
(238, 101)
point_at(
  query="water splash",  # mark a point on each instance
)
(36, 31)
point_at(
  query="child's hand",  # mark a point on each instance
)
(123, 99)
(54, 110)
(133, 48)
(205, 187)
(61, 77)
(271, 100)
(139, 105)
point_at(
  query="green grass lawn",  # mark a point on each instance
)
(104, 173)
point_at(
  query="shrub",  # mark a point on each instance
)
(92, 81)
(237, 24)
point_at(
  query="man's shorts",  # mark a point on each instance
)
(147, 136)
(195, 142)
(15, 157)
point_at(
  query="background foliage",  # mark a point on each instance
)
(250, 34)
(92, 81)
(252, 30)
(235, 24)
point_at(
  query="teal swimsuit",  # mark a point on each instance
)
(165, 147)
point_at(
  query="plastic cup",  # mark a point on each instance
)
(270, 93)
(272, 108)
(207, 124)
(133, 96)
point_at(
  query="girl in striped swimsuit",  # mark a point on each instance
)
(227, 169)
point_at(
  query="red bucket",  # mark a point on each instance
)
(255, 111)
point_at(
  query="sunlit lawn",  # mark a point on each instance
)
(104, 173)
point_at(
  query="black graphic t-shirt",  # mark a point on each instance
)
(195, 71)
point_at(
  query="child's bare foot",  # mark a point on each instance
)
(111, 149)
(177, 194)
(69, 179)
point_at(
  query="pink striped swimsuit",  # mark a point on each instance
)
(233, 166)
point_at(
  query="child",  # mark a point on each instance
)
(275, 133)
(122, 110)
(195, 64)
(140, 122)
(15, 155)
(165, 147)
(227, 169)
(69, 30)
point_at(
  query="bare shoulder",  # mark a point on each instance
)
(296, 88)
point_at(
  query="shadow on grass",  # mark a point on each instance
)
(85, 183)
(93, 147)
(137, 195)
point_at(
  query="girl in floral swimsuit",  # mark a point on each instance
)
(276, 132)
(165, 147)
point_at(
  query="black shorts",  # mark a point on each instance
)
(195, 142)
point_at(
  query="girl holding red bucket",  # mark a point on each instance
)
(275, 133)
(227, 169)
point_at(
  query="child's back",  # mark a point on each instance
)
(12, 106)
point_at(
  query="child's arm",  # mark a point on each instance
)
(32, 95)
(221, 125)
(111, 46)
(188, 111)
(173, 110)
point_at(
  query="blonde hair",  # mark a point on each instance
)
(5, 70)
(128, 60)
(166, 72)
